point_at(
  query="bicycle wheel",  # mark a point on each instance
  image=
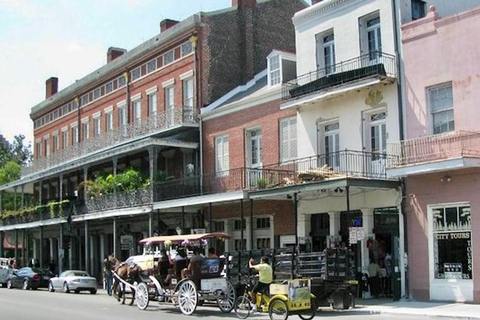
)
(308, 314)
(278, 310)
(243, 306)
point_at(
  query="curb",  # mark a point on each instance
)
(419, 314)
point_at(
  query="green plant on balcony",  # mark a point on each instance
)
(261, 183)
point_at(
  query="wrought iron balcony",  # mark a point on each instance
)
(119, 200)
(434, 148)
(341, 164)
(145, 127)
(374, 64)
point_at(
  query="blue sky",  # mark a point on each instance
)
(69, 39)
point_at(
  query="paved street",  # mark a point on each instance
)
(43, 305)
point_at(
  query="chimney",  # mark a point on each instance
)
(113, 53)
(316, 1)
(244, 4)
(51, 87)
(167, 24)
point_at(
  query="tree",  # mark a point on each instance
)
(17, 151)
(10, 172)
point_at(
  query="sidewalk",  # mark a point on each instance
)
(429, 309)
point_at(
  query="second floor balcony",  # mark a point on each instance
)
(434, 153)
(324, 167)
(378, 66)
(164, 123)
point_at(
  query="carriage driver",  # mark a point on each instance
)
(265, 273)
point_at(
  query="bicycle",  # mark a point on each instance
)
(280, 304)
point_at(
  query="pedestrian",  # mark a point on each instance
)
(107, 275)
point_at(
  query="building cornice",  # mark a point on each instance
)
(318, 9)
(120, 64)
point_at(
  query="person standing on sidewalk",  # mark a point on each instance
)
(107, 275)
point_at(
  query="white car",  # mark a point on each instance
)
(73, 280)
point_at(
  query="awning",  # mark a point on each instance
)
(190, 237)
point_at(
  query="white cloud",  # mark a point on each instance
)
(22, 8)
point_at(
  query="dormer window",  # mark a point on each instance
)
(274, 70)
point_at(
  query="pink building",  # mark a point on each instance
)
(441, 156)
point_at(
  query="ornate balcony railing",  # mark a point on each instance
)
(341, 164)
(120, 200)
(377, 64)
(144, 127)
(452, 145)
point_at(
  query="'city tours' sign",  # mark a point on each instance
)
(452, 235)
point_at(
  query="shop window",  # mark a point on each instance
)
(238, 224)
(218, 226)
(263, 243)
(452, 242)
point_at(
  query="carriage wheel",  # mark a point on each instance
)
(278, 310)
(141, 296)
(308, 314)
(187, 297)
(227, 302)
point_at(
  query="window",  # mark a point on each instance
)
(74, 105)
(418, 9)
(221, 155)
(84, 99)
(121, 81)
(263, 243)
(378, 134)
(288, 139)
(168, 57)
(238, 225)
(38, 149)
(263, 223)
(64, 139)
(96, 127)
(108, 121)
(109, 87)
(186, 48)
(331, 143)
(452, 242)
(329, 53)
(374, 38)
(240, 245)
(152, 104)
(122, 116)
(75, 136)
(188, 92)
(169, 105)
(96, 93)
(274, 70)
(85, 130)
(218, 226)
(137, 111)
(56, 144)
(47, 147)
(440, 100)
(135, 74)
(151, 65)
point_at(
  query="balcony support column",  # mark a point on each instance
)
(153, 165)
(15, 198)
(60, 187)
(241, 229)
(150, 224)
(183, 219)
(2, 235)
(22, 196)
(61, 249)
(87, 248)
(1, 201)
(210, 217)
(24, 247)
(251, 225)
(115, 238)
(41, 247)
(295, 209)
(367, 220)
(85, 178)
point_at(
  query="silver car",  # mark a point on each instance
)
(73, 280)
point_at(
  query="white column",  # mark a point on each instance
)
(228, 230)
(401, 254)
(51, 248)
(304, 226)
(367, 218)
(334, 218)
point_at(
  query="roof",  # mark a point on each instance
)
(189, 237)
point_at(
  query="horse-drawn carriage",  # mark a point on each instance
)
(159, 277)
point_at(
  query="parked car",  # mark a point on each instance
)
(29, 278)
(73, 280)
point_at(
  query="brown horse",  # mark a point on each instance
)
(128, 273)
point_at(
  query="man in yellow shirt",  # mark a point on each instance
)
(265, 273)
